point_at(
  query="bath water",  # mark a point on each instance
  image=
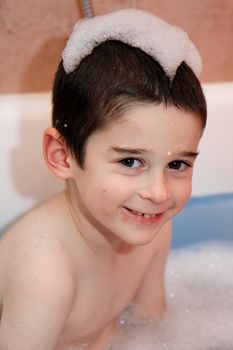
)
(199, 284)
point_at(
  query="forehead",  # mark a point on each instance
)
(152, 124)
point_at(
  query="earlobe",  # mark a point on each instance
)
(56, 155)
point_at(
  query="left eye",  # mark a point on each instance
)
(178, 165)
(131, 162)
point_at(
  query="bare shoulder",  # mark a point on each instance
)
(37, 282)
(35, 226)
(33, 246)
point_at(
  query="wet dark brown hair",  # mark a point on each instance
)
(107, 82)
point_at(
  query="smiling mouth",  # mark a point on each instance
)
(143, 217)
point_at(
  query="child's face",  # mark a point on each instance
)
(137, 172)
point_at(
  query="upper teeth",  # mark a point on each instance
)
(147, 216)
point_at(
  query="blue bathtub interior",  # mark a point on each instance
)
(206, 218)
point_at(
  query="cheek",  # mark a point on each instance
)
(101, 194)
(114, 187)
(187, 194)
(183, 193)
(112, 194)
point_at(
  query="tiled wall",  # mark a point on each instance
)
(33, 33)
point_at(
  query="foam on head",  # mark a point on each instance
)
(167, 44)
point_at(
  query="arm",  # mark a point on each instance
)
(150, 297)
(37, 300)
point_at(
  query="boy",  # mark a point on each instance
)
(128, 114)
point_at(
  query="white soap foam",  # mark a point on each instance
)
(200, 305)
(168, 44)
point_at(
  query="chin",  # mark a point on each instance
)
(138, 239)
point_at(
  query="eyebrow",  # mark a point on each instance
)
(138, 151)
(127, 150)
(188, 154)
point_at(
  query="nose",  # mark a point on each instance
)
(155, 188)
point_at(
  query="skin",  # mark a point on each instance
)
(70, 266)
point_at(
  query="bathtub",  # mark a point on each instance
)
(25, 180)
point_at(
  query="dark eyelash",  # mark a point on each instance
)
(189, 165)
(132, 159)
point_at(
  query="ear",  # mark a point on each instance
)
(56, 156)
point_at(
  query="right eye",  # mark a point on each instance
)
(131, 162)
